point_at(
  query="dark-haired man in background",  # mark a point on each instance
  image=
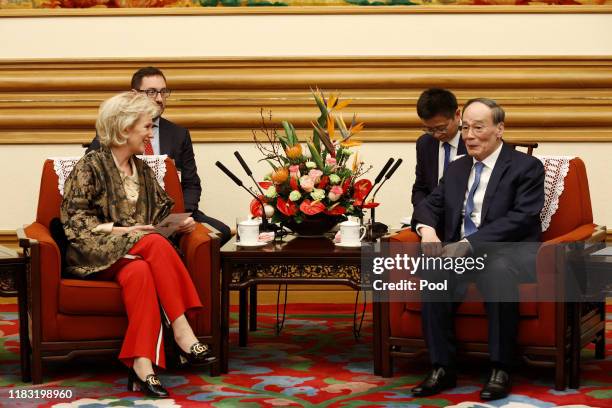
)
(440, 144)
(175, 141)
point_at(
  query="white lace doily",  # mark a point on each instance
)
(63, 167)
(556, 168)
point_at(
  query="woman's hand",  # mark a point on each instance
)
(187, 226)
(134, 228)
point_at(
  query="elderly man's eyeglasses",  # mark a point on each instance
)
(477, 130)
(152, 92)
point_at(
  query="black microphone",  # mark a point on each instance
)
(397, 164)
(229, 174)
(264, 219)
(248, 171)
(243, 163)
(384, 170)
(388, 175)
(380, 176)
(379, 229)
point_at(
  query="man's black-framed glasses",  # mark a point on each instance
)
(152, 92)
(440, 130)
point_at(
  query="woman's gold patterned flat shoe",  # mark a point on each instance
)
(199, 354)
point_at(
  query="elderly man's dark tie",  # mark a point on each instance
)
(468, 225)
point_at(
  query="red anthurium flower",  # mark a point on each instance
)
(335, 210)
(286, 207)
(346, 184)
(311, 207)
(362, 188)
(256, 207)
(324, 182)
(293, 182)
(265, 184)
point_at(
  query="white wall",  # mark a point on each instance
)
(306, 35)
(295, 35)
(20, 169)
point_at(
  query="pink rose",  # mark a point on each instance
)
(294, 170)
(315, 175)
(331, 161)
(307, 183)
(335, 193)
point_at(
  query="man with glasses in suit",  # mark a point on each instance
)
(441, 140)
(175, 141)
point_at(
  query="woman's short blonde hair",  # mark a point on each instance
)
(119, 113)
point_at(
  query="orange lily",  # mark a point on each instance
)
(330, 127)
(357, 128)
(350, 143)
(355, 162)
(333, 98)
(343, 104)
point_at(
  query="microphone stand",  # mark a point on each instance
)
(238, 182)
(379, 229)
(376, 181)
(265, 225)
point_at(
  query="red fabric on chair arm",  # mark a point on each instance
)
(50, 270)
(196, 248)
(406, 235)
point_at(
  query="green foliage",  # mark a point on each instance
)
(291, 137)
(252, 3)
(381, 3)
(209, 3)
(316, 157)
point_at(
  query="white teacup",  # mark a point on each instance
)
(351, 232)
(248, 231)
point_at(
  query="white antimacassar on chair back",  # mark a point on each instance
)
(556, 168)
(63, 167)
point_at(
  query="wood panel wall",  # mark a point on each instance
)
(547, 99)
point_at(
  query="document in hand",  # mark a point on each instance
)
(170, 224)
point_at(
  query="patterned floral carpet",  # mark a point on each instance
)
(315, 362)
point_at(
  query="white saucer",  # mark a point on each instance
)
(252, 245)
(348, 245)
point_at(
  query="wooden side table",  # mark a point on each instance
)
(291, 261)
(589, 316)
(13, 282)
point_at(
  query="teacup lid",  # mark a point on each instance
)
(350, 223)
(251, 221)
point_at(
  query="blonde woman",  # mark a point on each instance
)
(110, 204)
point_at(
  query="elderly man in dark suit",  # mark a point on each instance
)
(493, 195)
(175, 141)
(440, 144)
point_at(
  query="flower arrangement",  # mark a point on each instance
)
(315, 179)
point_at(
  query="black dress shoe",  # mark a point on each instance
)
(498, 385)
(199, 354)
(438, 380)
(151, 386)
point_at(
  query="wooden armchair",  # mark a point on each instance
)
(75, 317)
(544, 338)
